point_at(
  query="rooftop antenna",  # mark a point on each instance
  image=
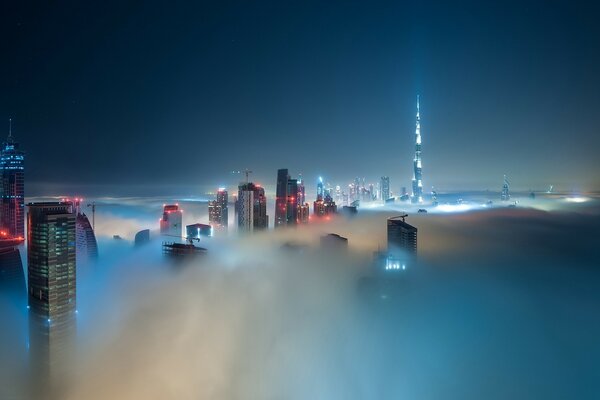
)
(9, 129)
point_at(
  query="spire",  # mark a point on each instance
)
(10, 129)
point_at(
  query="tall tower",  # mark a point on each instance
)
(417, 182)
(281, 197)
(12, 192)
(51, 276)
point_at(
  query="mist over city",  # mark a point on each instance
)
(278, 200)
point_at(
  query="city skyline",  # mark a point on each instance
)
(357, 97)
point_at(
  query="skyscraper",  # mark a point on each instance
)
(385, 188)
(87, 246)
(218, 211)
(505, 196)
(252, 207)
(51, 275)
(417, 183)
(281, 198)
(401, 238)
(12, 188)
(171, 221)
(320, 191)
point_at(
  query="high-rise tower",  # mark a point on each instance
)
(281, 197)
(51, 276)
(417, 183)
(12, 193)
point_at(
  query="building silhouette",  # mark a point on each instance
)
(12, 189)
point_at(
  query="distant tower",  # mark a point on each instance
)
(417, 182)
(385, 188)
(12, 192)
(505, 196)
(320, 189)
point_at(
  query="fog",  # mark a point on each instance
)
(502, 303)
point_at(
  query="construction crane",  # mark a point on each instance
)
(403, 216)
(93, 205)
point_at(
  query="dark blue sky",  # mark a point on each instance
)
(157, 92)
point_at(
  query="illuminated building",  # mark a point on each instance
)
(218, 211)
(320, 193)
(252, 207)
(142, 237)
(417, 182)
(287, 198)
(505, 196)
(401, 238)
(385, 188)
(170, 223)
(12, 189)
(325, 207)
(281, 198)
(51, 276)
(196, 231)
(303, 207)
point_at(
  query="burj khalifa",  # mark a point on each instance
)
(417, 183)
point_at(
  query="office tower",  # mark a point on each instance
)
(372, 195)
(12, 188)
(417, 183)
(505, 196)
(197, 231)
(142, 237)
(401, 238)
(385, 188)
(281, 198)
(218, 210)
(51, 275)
(170, 223)
(252, 207)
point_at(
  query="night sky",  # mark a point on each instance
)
(156, 92)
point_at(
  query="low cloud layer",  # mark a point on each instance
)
(502, 304)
